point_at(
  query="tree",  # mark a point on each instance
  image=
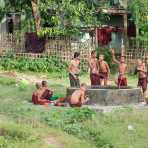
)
(69, 15)
(56, 17)
(36, 15)
(139, 9)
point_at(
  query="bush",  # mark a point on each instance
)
(44, 64)
(23, 85)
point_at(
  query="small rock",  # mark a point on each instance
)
(130, 127)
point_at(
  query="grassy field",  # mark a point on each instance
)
(25, 125)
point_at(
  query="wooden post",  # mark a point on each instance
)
(125, 23)
(125, 19)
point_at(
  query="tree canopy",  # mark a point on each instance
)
(66, 16)
(56, 16)
(139, 10)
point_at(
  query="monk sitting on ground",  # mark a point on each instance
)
(122, 80)
(142, 77)
(94, 69)
(47, 93)
(78, 97)
(36, 96)
(104, 71)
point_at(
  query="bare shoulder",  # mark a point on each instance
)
(76, 91)
(34, 93)
(143, 64)
(72, 62)
(105, 62)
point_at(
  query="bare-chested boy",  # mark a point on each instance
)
(142, 76)
(122, 80)
(104, 71)
(74, 71)
(77, 99)
(94, 69)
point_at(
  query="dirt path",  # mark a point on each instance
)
(98, 108)
(52, 141)
(19, 76)
(30, 78)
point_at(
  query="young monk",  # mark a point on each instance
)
(104, 71)
(74, 71)
(122, 80)
(94, 69)
(142, 77)
(47, 93)
(36, 96)
(78, 97)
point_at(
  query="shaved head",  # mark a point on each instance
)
(38, 85)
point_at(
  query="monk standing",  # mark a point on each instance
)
(78, 97)
(104, 71)
(122, 80)
(74, 71)
(142, 77)
(94, 69)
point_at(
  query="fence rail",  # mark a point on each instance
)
(138, 49)
(11, 42)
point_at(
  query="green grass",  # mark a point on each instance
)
(27, 125)
(16, 105)
(16, 134)
(133, 80)
(7, 81)
(114, 127)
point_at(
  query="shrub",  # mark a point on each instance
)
(23, 85)
(44, 64)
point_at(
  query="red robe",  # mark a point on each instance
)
(122, 81)
(47, 94)
(38, 101)
(95, 79)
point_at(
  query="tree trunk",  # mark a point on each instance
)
(36, 15)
